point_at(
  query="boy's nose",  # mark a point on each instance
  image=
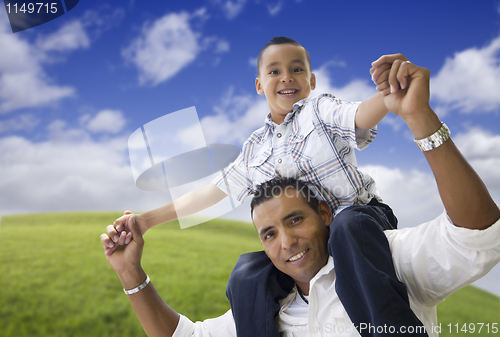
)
(287, 78)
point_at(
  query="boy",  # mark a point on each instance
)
(311, 140)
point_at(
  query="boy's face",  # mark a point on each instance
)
(285, 78)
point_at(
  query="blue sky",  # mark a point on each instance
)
(73, 90)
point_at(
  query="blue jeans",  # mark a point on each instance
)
(366, 282)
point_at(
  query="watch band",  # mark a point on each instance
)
(139, 288)
(435, 140)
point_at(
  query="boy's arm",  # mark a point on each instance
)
(119, 232)
(370, 112)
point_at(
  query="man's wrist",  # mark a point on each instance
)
(131, 278)
(423, 124)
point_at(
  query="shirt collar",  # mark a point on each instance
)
(327, 268)
(270, 125)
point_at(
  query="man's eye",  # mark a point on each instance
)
(274, 72)
(268, 235)
(295, 220)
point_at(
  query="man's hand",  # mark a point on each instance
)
(405, 86)
(126, 253)
(119, 233)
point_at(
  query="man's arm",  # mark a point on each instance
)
(405, 89)
(156, 317)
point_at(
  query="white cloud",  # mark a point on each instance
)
(482, 150)
(394, 121)
(222, 46)
(275, 9)
(356, 90)
(69, 37)
(164, 48)
(169, 44)
(111, 121)
(470, 80)
(23, 81)
(412, 194)
(253, 62)
(28, 89)
(231, 8)
(238, 115)
(69, 172)
(24, 122)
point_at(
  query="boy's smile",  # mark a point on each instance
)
(285, 78)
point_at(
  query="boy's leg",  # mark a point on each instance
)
(254, 290)
(366, 281)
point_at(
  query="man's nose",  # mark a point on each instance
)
(288, 239)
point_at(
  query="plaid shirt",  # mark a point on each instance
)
(315, 144)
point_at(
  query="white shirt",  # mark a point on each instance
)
(433, 260)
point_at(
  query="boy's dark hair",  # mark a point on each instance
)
(281, 40)
(279, 186)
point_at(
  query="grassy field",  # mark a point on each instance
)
(54, 279)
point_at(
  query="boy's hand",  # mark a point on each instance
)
(405, 86)
(119, 233)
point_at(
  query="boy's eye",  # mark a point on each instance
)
(274, 72)
(296, 70)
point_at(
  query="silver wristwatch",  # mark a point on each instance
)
(434, 140)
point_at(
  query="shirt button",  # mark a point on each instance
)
(301, 136)
(279, 161)
(278, 135)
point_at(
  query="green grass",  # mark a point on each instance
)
(54, 279)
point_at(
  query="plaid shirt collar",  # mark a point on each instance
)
(269, 125)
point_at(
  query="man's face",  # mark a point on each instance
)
(294, 236)
(285, 78)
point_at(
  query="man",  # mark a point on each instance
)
(433, 259)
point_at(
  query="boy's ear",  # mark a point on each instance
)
(258, 86)
(313, 81)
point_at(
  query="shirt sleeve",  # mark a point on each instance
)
(438, 258)
(222, 326)
(234, 180)
(340, 118)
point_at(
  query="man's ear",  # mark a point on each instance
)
(258, 86)
(313, 81)
(325, 212)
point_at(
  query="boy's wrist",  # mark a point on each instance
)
(142, 222)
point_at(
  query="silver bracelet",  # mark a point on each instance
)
(435, 140)
(139, 288)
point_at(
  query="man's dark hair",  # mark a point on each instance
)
(279, 186)
(281, 40)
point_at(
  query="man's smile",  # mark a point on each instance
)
(297, 256)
